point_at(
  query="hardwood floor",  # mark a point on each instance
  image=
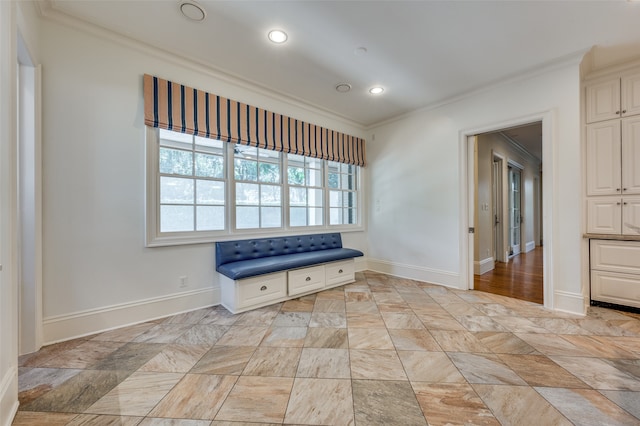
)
(521, 278)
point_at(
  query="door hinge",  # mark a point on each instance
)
(472, 230)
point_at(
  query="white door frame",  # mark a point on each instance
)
(467, 171)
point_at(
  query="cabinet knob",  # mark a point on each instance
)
(624, 111)
(624, 189)
(308, 279)
(618, 112)
(618, 203)
(340, 271)
(263, 288)
(618, 189)
(625, 203)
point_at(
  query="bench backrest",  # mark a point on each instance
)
(234, 251)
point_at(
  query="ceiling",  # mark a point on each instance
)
(529, 137)
(421, 52)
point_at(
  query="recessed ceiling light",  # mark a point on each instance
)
(343, 87)
(192, 10)
(277, 36)
(376, 90)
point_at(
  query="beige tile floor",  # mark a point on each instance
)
(382, 350)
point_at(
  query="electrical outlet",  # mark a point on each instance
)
(184, 281)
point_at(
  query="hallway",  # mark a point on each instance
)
(521, 278)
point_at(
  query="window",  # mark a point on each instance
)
(203, 190)
(306, 193)
(343, 197)
(258, 187)
(192, 184)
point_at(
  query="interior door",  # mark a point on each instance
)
(515, 212)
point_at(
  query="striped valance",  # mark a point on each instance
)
(176, 107)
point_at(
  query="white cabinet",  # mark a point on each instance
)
(631, 155)
(615, 272)
(613, 215)
(339, 273)
(604, 151)
(613, 97)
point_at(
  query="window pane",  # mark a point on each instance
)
(170, 136)
(271, 217)
(297, 196)
(209, 192)
(348, 199)
(314, 163)
(315, 198)
(314, 177)
(176, 190)
(246, 170)
(247, 193)
(268, 154)
(176, 162)
(176, 218)
(335, 199)
(349, 216)
(244, 151)
(247, 217)
(295, 175)
(269, 173)
(296, 160)
(348, 181)
(334, 180)
(270, 195)
(298, 216)
(335, 216)
(204, 143)
(209, 166)
(210, 218)
(315, 217)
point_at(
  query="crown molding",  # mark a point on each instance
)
(47, 10)
(573, 59)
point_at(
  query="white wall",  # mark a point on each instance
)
(97, 272)
(8, 246)
(416, 190)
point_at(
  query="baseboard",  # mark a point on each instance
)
(9, 396)
(484, 266)
(65, 327)
(435, 276)
(573, 303)
(529, 246)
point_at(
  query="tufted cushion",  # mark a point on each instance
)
(245, 258)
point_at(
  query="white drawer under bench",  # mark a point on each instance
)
(262, 290)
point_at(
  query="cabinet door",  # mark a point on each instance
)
(631, 155)
(604, 215)
(603, 158)
(621, 289)
(630, 96)
(603, 100)
(631, 216)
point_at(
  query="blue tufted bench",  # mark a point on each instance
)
(261, 271)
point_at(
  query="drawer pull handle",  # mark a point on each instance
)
(263, 288)
(340, 271)
(308, 279)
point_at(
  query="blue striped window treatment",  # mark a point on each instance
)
(173, 106)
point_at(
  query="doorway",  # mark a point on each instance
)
(508, 258)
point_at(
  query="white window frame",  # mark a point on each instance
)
(154, 238)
